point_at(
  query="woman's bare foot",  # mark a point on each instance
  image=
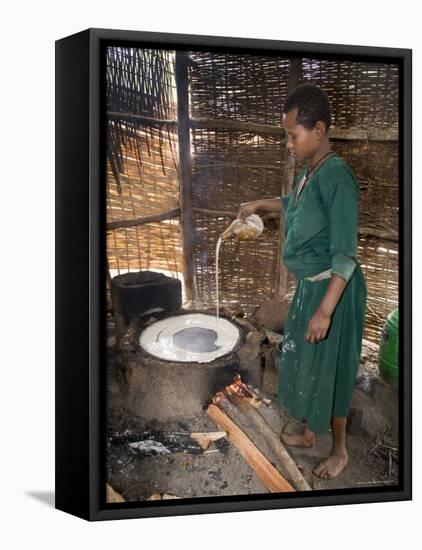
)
(306, 439)
(332, 466)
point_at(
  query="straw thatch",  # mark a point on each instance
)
(237, 153)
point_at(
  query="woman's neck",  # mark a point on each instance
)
(322, 152)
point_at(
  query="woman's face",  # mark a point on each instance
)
(301, 142)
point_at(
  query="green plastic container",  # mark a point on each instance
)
(389, 348)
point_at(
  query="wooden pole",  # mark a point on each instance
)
(140, 119)
(216, 213)
(379, 234)
(118, 224)
(286, 184)
(238, 125)
(335, 134)
(185, 174)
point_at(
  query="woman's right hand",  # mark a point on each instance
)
(246, 209)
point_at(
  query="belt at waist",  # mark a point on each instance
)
(310, 266)
(320, 276)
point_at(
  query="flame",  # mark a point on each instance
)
(239, 388)
(217, 397)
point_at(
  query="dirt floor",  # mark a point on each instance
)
(221, 470)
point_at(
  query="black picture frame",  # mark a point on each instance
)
(80, 285)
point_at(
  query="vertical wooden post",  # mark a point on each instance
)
(185, 173)
(287, 179)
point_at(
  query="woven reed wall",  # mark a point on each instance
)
(240, 87)
(231, 167)
(376, 167)
(235, 165)
(142, 171)
(221, 181)
(152, 245)
(362, 95)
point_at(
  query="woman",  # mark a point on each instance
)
(324, 329)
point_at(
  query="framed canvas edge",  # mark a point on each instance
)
(98, 509)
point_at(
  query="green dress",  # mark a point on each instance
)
(321, 231)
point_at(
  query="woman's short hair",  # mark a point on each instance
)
(312, 105)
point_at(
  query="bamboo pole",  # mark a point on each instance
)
(237, 125)
(389, 134)
(118, 224)
(140, 119)
(335, 134)
(286, 185)
(185, 173)
(216, 213)
(240, 165)
(364, 231)
(379, 234)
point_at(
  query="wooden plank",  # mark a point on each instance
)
(261, 426)
(112, 495)
(204, 439)
(162, 496)
(266, 472)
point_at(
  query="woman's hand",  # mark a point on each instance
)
(246, 209)
(318, 327)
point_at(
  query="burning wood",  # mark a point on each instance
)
(239, 415)
(277, 453)
(266, 472)
(240, 388)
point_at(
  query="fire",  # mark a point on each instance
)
(241, 389)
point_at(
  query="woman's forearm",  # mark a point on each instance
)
(265, 205)
(332, 296)
(268, 205)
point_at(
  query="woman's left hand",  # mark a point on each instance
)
(318, 327)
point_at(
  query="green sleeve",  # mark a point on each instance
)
(339, 191)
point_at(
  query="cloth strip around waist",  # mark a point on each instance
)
(320, 276)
